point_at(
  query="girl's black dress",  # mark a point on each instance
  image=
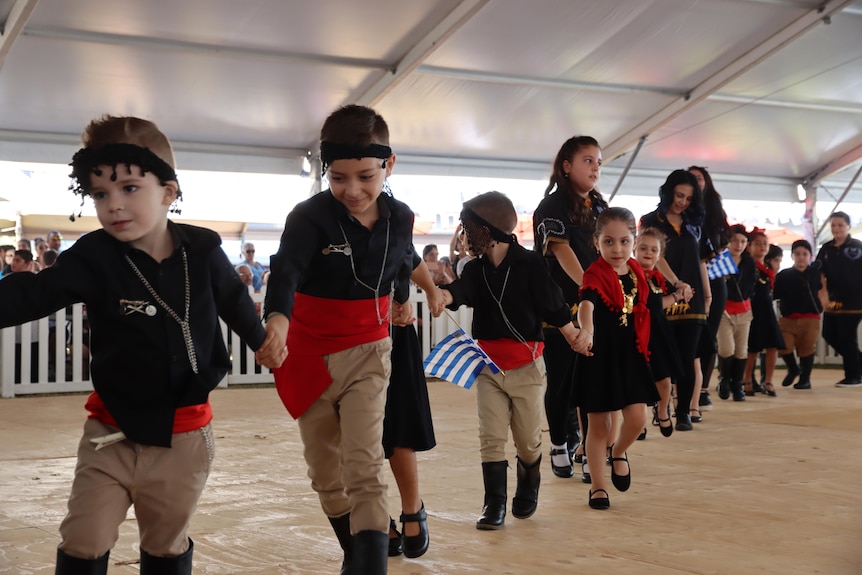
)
(616, 375)
(407, 422)
(764, 333)
(663, 356)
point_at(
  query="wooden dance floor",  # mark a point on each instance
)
(772, 485)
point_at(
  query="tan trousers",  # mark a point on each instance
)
(800, 334)
(164, 484)
(733, 334)
(514, 400)
(343, 433)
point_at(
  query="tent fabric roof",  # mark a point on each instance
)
(766, 93)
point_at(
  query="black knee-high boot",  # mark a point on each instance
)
(179, 565)
(806, 364)
(725, 376)
(370, 553)
(68, 565)
(792, 369)
(736, 381)
(494, 508)
(527, 492)
(341, 526)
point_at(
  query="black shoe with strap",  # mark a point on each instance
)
(415, 545)
(621, 482)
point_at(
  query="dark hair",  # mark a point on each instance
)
(25, 255)
(616, 214)
(355, 125)
(427, 249)
(559, 180)
(738, 229)
(715, 220)
(49, 257)
(841, 215)
(773, 252)
(694, 212)
(27, 242)
(801, 244)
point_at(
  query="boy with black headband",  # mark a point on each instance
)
(511, 292)
(154, 291)
(328, 298)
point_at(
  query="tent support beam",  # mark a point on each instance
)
(840, 199)
(15, 21)
(626, 169)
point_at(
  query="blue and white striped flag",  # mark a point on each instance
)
(721, 265)
(459, 359)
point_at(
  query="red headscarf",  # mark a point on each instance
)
(601, 278)
(658, 279)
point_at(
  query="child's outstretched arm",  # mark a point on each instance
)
(274, 349)
(421, 276)
(584, 342)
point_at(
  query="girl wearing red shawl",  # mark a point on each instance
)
(613, 372)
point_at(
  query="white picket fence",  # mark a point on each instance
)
(41, 373)
(61, 334)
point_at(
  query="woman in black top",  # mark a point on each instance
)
(714, 239)
(564, 224)
(680, 216)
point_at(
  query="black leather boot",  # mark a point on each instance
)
(527, 491)
(792, 369)
(68, 565)
(341, 526)
(738, 373)
(370, 553)
(725, 376)
(806, 364)
(179, 565)
(494, 509)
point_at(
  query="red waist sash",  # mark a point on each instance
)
(318, 327)
(510, 353)
(737, 307)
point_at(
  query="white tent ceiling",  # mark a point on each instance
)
(766, 93)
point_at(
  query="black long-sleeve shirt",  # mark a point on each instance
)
(524, 288)
(842, 267)
(311, 258)
(796, 291)
(140, 366)
(740, 286)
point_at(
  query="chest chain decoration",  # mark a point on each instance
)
(184, 321)
(348, 251)
(628, 299)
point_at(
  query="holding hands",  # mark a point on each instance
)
(273, 351)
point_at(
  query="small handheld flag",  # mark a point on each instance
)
(721, 265)
(458, 359)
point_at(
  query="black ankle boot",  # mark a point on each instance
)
(68, 565)
(370, 553)
(179, 565)
(792, 369)
(736, 382)
(527, 492)
(341, 526)
(806, 364)
(725, 376)
(494, 509)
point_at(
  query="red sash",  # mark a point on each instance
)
(318, 327)
(510, 353)
(186, 419)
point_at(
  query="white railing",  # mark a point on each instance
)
(29, 353)
(33, 367)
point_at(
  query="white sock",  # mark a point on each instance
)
(561, 459)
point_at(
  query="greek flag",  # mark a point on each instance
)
(459, 359)
(721, 265)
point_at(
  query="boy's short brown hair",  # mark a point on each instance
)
(496, 209)
(128, 130)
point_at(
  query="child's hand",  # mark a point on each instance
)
(273, 351)
(402, 314)
(583, 344)
(436, 301)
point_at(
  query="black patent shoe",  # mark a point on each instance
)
(416, 545)
(642, 436)
(564, 471)
(599, 502)
(769, 390)
(621, 482)
(666, 430)
(695, 416)
(396, 545)
(802, 384)
(585, 472)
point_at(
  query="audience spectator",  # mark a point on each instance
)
(441, 272)
(245, 274)
(253, 266)
(55, 241)
(47, 259)
(22, 261)
(24, 244)
(8, 252)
